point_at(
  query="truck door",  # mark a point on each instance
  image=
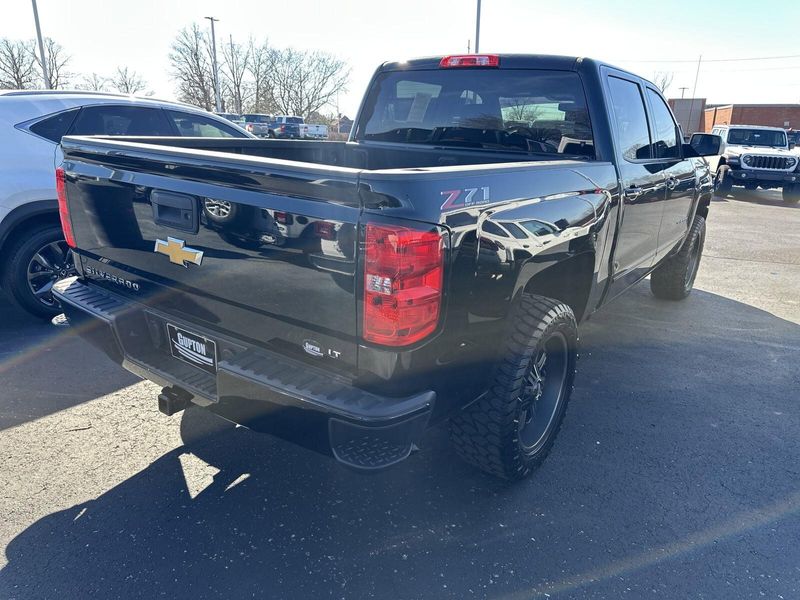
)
(681, 184)
(642, 179)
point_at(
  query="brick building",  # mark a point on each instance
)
(694, 114)
(689, 112)
(772, 115)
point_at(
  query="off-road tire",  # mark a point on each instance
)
(486, 433)
(674, 278)
(15, 269)
(723, 181)
(791, 193)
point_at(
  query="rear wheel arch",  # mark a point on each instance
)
(568, 281)
(22, 220)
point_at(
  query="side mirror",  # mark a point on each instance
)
(792, 145)
(704, 144)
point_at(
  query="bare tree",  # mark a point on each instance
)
(235, 66)
(524, 110)
(190, 58)
(128, 81)
(17, 65)
(258, 67)
(57, 61)
(304, 82)
(663, 79)
(255, 77)
(93, 82)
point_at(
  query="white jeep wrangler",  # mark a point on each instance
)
(754, 156)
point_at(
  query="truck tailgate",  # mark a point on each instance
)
(262, 250)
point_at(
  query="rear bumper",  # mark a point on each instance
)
(254, 387)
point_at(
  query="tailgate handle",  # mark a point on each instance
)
(177, 211)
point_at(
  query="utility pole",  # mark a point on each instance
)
(216, 71)
(41, 46)
(683, 91)
(237, 101)
(478, 29)
(694, 91)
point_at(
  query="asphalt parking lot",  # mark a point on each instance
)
(675, 475)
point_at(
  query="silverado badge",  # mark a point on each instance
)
(178, 252)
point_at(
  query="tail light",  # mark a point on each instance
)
(63, 208)
(284, 218)
(325, 230)
(470, 60)
(283, 128)
(403, 275)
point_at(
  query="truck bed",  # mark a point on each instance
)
(373, 156)
(282, 268)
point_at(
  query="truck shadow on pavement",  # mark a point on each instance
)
(43, 369)
(681, 436)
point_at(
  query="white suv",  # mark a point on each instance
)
(756, 156)
(33, 254)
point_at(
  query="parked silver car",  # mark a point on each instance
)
(33, 253)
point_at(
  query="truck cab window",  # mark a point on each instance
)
(527, 111)
(665, 144)
(630, 117)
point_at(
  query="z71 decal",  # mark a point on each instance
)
(465, 198)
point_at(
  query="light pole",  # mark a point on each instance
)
(478, 29)
(214, 56)
(45, 74)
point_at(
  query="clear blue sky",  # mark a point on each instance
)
(642, 36)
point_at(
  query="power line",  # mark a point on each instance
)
(714, 60)
(735, 71)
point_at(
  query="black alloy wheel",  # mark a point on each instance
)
(50, 263)
(543, 392)
(35, 260)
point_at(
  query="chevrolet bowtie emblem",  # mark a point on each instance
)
(178, 253)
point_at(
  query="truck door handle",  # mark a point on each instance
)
(633, 192)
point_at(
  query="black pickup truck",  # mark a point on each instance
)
(347, 295)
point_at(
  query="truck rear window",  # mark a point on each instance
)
(528, 111)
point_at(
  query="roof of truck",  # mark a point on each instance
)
(512, 61)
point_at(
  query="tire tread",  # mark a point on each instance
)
(667, 281)
(485, 433)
